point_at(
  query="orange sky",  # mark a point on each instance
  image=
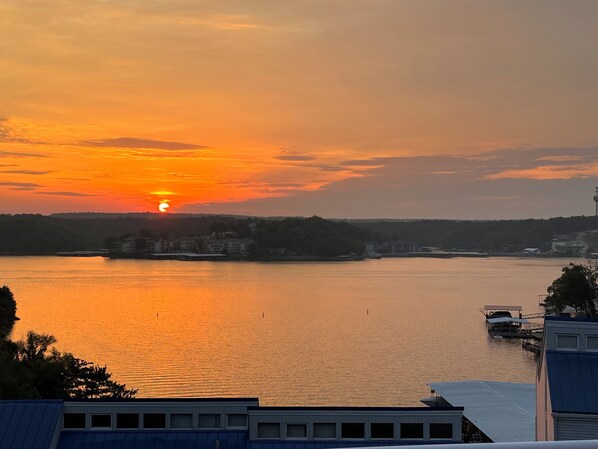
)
(212, 106)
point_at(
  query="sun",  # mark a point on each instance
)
(163, 207)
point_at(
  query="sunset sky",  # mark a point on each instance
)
(340, 108)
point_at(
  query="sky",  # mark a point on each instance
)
(460, 109)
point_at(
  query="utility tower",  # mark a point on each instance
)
(596, 201)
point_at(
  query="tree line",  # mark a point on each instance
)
(37, 234)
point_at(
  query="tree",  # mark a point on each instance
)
(577, 287)
(8, 312)
(31, 369)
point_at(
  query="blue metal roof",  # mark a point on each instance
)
(28, 424)
(573, 381)
(153, 439)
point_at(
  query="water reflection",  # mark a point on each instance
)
(361, 333)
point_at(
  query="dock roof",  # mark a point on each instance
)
(504, 411)
(497, 307)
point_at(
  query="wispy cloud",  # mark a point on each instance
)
(544, 172)
(73, 194)
(28, 172)
(295, 158)
(16, 154)
(139, 143)
(9, 134)
(499, 184)
(20, 185)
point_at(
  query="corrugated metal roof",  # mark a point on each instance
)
(504, 411)
(153, 439)
(573, 381)
(28, 424)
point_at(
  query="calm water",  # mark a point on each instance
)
(356, 333)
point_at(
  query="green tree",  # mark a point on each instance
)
(32, 369)
(8, 312)
(577, 287)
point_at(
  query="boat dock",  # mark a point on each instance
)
(502, 323)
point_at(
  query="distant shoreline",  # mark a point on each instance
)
(224, 258)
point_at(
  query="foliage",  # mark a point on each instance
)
(37, 234)
(8, 311)
(577, 287)
(489, 235)
(312, 236)
(30, 369)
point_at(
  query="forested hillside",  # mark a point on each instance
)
(37, 234)
(499, 235)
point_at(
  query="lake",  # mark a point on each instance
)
(348, 333)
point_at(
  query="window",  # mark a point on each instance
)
(296, 430)
(352, 430)
(237, 420)
(127, 421)
(210, 421)
(181, 421)
(444, 431)
(101, 421)
(324, 430)
(564, 341)
(268, 430)
(74, 420)
(383, 430)
(412, 430)
(592, 342)
(154, 421)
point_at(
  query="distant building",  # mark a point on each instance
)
(233, 247)
(569, 247)
(531, 251)
(396, 247)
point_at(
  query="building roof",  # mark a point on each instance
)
(28, 424)
(504, 411)
(489, 307)
(506, 319)
(571, 319)
(572, 377)
(340, 409)
(142, 439)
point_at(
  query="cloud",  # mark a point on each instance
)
(295, 158)
(377, 161)
(28, 172)
(499, 184)
(9, 134)
(19, 155)
(548, 172)
(73, 194)
(135, 142)
(20, 185)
